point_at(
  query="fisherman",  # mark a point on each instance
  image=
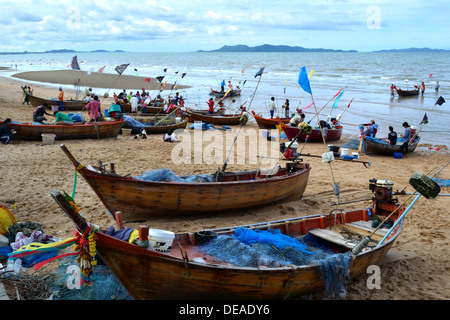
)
(210, 103)
(371, 130)
(40, 112)
(272, 107)
(222, 86)
(61, 99)
(62, 119)
(286, 108)
(297, 119)
(6, 132)
(406, 137)
(437, 87)
(94, 108)
(392, 136)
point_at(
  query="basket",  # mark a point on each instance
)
(48, 138)
(126, 132)
(398, 155)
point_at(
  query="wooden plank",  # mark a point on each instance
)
(332, 236)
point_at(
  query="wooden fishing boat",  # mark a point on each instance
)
(140, 199)
(378, 146)
(89, 130)
(265, 123)
(408, 93)
(220, 111)
(220, 94)
(224, 119)
(187, 272)
(164, 128)
(68, 104)
(333, 134)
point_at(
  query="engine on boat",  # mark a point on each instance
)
(382, 189)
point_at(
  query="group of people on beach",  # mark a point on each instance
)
(422, 88)
(408, 135)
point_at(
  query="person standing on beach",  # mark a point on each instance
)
(40, 112)
(222, 86)
(94, 108)
(437, 87)
(230, 86)
(6, 132)
(272, 107)
(422, 88)
(406, 136)
(210, 103)
(286, 108)
(61, 99)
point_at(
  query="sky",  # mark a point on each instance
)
(191, 25)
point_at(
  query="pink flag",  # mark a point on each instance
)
(101, 69)
(308, 106)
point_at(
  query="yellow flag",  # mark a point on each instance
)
(310, 74)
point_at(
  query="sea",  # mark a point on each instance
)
(364, 78)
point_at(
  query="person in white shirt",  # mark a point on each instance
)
(134, 104)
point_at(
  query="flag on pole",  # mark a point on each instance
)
(425, 119)
(120, 69)
(312, 103)
(182, 75)
(350, 103)
(75, 65)
(160, 78)
(101, 69)
(260, 72)
(440, 101)
(310, 74)
(335, 103)
(147, 80)
(303, 80)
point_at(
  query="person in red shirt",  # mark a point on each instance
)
(211, 105)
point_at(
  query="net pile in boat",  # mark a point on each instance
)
(270, 248)
(167, 175)
(105, 285)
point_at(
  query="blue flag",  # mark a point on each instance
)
(335, 103)
(303, 80)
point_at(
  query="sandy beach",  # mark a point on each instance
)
(416, 268)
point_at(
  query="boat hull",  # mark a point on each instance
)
(149, 275)
(229, 120)
(408, 93)
(72, 105)
(264, 123)
(139, 199)
(373, 146)
(220, 94)
(164, 129)
(315, 136)
(91, 130)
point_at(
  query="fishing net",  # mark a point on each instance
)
(167, 175)
(104, 285)
(133, 124)
(256, 248)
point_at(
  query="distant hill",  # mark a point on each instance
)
(414, 50)
(272, 48)
(58, 51)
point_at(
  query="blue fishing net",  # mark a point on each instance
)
(255, 248)
(105, 286)
(133, 124)
(167, 175)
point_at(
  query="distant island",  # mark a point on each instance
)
(57, 51)
(271, 48)
(413, 50)
(283, 48)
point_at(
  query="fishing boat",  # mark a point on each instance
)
(265, 123)
(221, 94)
(142, 199)
(408, 93)
(195, 266)
(89, 130)
(381, 147)
(164, 128)
(218, 119)
(220, 111)
(68, 104)
(333, 134)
